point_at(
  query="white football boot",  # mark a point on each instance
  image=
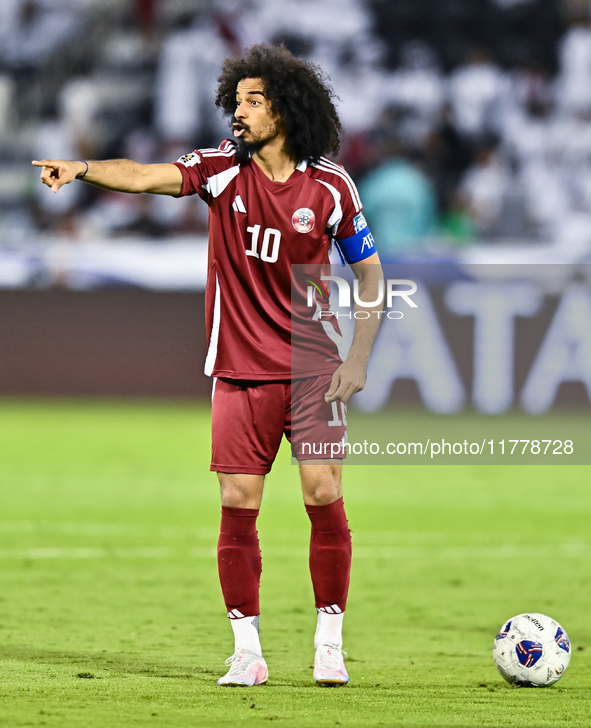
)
(246, 669)
(329, 666)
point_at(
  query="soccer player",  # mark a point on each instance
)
(274, 201)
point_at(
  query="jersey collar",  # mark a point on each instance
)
(277, 186)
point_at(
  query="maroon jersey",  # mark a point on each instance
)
(258, 229)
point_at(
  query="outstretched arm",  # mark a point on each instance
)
(122, 175)
(350, 376)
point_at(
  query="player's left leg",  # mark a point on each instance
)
(330, 565)
(317, 429)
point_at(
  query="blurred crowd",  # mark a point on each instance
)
(465, 120)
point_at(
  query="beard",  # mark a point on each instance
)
(244, 149)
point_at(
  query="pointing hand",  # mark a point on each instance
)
(58, 172)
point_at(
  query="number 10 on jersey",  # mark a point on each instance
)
(270, 233)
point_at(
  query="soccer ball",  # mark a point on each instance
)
(531, 651)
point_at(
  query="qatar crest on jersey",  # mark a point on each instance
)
(303, 220)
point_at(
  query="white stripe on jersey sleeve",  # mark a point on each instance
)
(342, 170)
(338, 173)
(328, 166)
(218, 153)
(212, 349)
(217, 183)
(337, 213)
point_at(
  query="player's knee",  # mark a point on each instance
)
(321, 482)
(236, 498)
(323, 493)
(239, 492)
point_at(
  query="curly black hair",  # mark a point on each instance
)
(298, 93)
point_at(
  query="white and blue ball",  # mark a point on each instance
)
(532, 650)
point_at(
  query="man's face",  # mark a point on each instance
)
(255, 123)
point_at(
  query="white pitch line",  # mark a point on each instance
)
(572, 550)
(85, 553)
(507, 551)
(76, 528)
(366, 544)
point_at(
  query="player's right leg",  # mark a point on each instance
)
(239, 567)
(247, 425)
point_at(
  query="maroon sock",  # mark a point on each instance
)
(239, 561)
(330, 556)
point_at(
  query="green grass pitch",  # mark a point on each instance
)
(111, 614)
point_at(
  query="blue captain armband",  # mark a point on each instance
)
(359, 246)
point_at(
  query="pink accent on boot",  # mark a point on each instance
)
(247, 669)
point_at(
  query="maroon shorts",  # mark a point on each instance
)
(250, 418)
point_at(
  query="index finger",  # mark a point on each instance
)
(329, 395)
(43, 163)
(343, 393)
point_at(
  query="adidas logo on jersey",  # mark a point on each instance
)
(238, 205)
